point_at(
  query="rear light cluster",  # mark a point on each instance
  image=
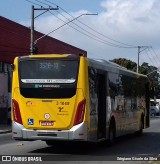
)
(16, 112)
(80, 112)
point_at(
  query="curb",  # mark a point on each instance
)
(5, 131)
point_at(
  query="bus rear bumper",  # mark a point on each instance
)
(78, 132)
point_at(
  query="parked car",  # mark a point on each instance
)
(154, 108)
(153, 112)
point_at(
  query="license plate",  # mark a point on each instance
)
(47, 123)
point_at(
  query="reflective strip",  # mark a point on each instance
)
(48, 80)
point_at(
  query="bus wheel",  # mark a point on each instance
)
(112, 133)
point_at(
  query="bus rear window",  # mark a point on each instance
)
(48, 78)
(48, 71)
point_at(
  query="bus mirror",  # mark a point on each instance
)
(12, 67)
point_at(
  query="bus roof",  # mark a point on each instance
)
(49, 56)
(96, 63)
(113, 67)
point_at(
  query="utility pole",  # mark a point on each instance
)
(32, 32)
(32, 45)
(138, 59)
(139, 51)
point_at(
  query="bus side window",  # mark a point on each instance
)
(113, 90)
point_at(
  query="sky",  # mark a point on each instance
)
(116, 32)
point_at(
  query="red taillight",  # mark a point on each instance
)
(80, 112)
(16, 112)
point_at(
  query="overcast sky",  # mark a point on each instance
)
(128, 22)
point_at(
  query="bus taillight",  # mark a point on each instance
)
(80, 112)
(16, 112)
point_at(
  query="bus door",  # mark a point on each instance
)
(101, 93)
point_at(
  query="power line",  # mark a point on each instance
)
(89, 34)
(33, 3)
(154, 57)
(149, 57)
(131, 46)
(93, 36)
(43, 3)
(155, 53)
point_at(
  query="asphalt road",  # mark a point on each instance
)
(130, 146)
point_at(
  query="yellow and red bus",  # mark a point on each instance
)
(66, 97)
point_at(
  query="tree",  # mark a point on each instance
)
(125, 63)
(153, 78)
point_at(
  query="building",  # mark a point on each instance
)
(15, 41)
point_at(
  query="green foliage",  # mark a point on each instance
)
(125, 63)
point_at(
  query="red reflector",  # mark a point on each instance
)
(80, 112)
(16, 112)
(81, 134)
